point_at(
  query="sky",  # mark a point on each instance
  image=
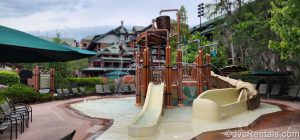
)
(80, 18)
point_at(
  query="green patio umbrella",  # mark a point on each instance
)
(117, 72)
(20, 47)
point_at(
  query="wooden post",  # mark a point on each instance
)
(168, 78)
(52, 81)
(145, 73)
(208, 69)
(36, 78)
(137, 78)
(179, 79)
(200, 71)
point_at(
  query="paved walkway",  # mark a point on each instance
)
(52, 121)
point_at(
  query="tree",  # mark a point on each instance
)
(65, 69)
(252, 33)
(224, 8)
(247, 31)
(285, 23)
(184, 31)
(190, 51)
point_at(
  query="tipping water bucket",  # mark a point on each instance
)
(163, 22)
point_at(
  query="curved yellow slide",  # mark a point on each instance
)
(145, 124)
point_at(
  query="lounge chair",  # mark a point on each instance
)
(118, 89)
(99, 89)
(132, 87)
(16, 117)
(69, 136)
(275, 90)
(20, 107)
(59, 93)
(82, 90)
(76, 92)
(125, 88)
(263, 89)
(106, 89)
(293, 90)
(6, 123)
(67, 93)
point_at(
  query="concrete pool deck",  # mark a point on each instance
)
(52, 120)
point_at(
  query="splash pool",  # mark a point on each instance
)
(176, 123)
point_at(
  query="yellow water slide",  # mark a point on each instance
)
(218, 104)
(145, 124)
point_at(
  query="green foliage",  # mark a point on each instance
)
(285, 23)
(77, 65)
(57, 39)
(91, 89)
(2, 100)
(184, 32)
(88, 81)
(9, 78)
(19, 93)
(62, 71)
(190, 51)
(111, 84)
(44, 97)
(252, 34)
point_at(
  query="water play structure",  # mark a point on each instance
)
(160, 85)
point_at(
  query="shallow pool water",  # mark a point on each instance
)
(176, 123)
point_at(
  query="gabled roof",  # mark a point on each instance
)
(114, 49)
(88, 38)
(65, 41)
(117, 31)
(138, 28)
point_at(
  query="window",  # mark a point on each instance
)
(154, 51)
(106, 64)
(115, 65)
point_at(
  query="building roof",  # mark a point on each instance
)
(88, 38)
(138, 28)
(117, 31)
(65, 41)
(114, 49)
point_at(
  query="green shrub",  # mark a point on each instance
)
(111, 84)
(19, 93)
(91, 89)
(9, 78)
(44, 97)
(1, 100)
(87, 81)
